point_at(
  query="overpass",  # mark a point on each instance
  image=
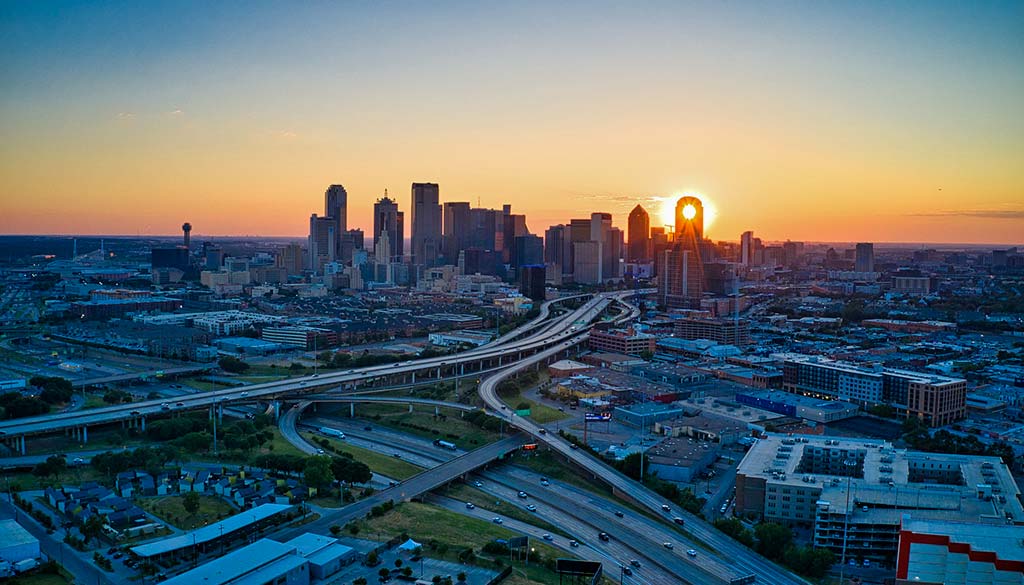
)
(738, 559)
(558, 333)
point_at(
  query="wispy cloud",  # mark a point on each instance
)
(981, 213)
(125, 115)
(287, 135)
(177, 112)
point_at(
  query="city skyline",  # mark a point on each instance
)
(841, 123)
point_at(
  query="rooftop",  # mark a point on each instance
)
(211, 532)
(12, 533)
(258, 563)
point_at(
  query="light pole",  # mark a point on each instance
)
(849, 464)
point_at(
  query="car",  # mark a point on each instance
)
(470, 506)
(867, 562)
(603, 536)
(532, 508)
(574, 446)
(679, 520)
(179, 404)
(574, 544)
(666, 508)
(521, 495)
(548, 536)
(78, 461)
(853, 562)
(165, 406)
(543, 431)
(478, 484)
(392, 483)
(544, 481)
(319, 451)
(635, 563)
(503, 407)
(619, 513)
(396, 455)
(315, 376)
(244, 394)
(367, 428)
(626, 570)
(396, 365)
(496, 520)
(668, 545)
(691, 553)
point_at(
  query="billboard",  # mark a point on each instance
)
(597, 416)
(577, 567)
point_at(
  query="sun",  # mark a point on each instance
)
(689, 211)
(666, 209)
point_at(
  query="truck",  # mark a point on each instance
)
(332, 432)
(445, 445)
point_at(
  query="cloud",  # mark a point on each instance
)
(177, 112)
(979, 213)
(125, 115)
(287, 135)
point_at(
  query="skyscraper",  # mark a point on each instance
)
(680, 268)
(387, 218)
(865, 258)
(639, 225)
(747, 248)
(456, 232)
(426, 224)
(336, 206)
(323, 242)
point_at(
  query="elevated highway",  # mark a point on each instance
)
(557, 333)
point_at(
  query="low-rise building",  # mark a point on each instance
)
(854, 492)
(628, 341)
(456, 338)
(959, 553)
(812, 409)
(681, 460)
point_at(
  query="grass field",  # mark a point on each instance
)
(456, 532)
(422, 422)
(171, 509)
(378, 462)
(539, 413)
(549, 465)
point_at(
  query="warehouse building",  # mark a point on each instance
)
(16, 544)
(956, 553)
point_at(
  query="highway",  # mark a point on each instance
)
(558, 332)
(582, 514)
(742, 559)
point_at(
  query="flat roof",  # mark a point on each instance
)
(256, 563)
(1007, 541)
(210, 533)
(13, 534)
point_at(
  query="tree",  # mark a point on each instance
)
(92, 528)
(385, 573)
(191, 503)
(647, 355)
(233, 365)
(318, 472)
(372, 559)
(398, 563)
(54, 465)
(349, 470)
(772, 539)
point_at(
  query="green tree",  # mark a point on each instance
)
(233, 365)
(191, 503)
(772, 539)
(92, 528)
(317, 471)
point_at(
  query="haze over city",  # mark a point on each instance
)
(848, 122)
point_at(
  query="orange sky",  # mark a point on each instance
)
(819, 126)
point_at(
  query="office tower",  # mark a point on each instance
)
(601, 231)
(513, 226)
(529, 250)
(689, 216)
(323, 242)
(531, 282)
(790, 252)
(747, 249)
(616, 246)
(336, 206)
(659, 243)
(426, 224)
(291, 259)
(387, 218)
(213, 256)
(586, 267)
(578, 231)
(477, 261)
(186, 228)
(382, 254)
(681, 269)
(865, 258)
(639, 225)
(172, 257)
(456, 230)
(350, 241)
(554, 252)
(484, 225)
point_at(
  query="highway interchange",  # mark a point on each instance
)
(544, 338)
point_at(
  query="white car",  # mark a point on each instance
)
(692, 553)
(478, 484)
(244, 394)
(548, 537)
(532, 508)
(668, 545)
(496, 520)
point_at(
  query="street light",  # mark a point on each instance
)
(849, 464)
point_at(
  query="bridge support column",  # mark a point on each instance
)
(414, 377)
(437, 410)
(438, 372)
(142, 423)
(351, 409)
(85, 434)
(462, 369)
(277, 410)
(410, 407)
(22, 445)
